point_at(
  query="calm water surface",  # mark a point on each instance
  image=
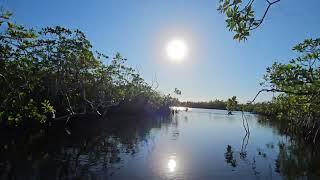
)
(197, 144)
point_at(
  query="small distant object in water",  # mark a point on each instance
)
(229, 113)
(187, 109)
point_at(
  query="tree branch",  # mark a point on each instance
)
(264, 15)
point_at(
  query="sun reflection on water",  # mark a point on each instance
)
(172, 164)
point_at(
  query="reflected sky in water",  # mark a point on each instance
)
(193, 144)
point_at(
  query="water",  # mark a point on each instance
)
(197, 144)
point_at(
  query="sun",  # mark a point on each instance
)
(176, 50)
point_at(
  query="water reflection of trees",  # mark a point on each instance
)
(295, 159)
(233, 156)
(298, 161)
(89, 151)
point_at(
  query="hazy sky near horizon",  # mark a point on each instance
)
(216, 65)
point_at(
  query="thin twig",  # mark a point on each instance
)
(264, 15)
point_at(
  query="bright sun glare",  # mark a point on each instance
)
(176, 50)
(172, 165)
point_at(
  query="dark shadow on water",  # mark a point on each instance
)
(87, 150)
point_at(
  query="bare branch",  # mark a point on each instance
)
(264, 15)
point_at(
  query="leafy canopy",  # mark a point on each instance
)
(240, 16)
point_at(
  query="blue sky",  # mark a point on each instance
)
(216, 65)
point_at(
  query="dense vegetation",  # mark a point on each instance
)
(54, 73)
(297, 82)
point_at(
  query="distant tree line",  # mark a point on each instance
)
(215, 104)
(230, 105)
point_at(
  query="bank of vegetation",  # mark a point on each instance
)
(297, 81)
(54, 73)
